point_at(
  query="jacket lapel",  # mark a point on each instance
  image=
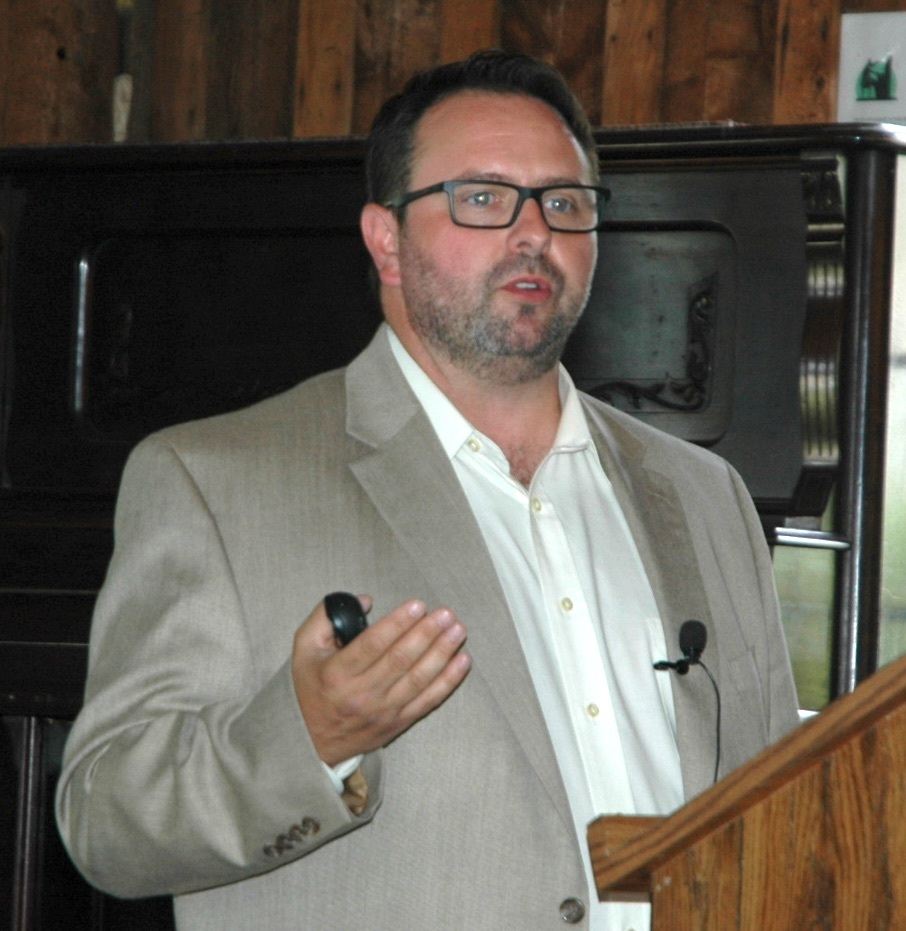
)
(411, 483)
(655, 515)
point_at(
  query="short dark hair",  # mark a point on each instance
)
(388, 162)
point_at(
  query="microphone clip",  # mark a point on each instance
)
(681, 665)
(692, 639)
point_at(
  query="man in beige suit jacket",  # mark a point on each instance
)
(203, 763)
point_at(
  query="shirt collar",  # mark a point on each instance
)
(453, 430)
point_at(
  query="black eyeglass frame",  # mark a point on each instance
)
(525, 193)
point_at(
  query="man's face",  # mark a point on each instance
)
(496, 303)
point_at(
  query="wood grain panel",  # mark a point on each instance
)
(394, 39)
(682, 892)
(806, 62)
(685, 60)
(7, 85)
(565, 33)
(467, 26)
(179, 70)
(818, 854)
(635, 45)
(250, 77)
(59, 59)
(138, 63)
(325, 68)
(204, 69)
(739, 82)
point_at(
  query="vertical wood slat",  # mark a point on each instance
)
(564, 33)
(137, 63)
(7, 86)
(325, 68)
(56, 73)
(688, 26)
(739, 81)
(467, 26)
(806, 62)
(394, 39)
(251, 67)
(635, 42)
(179, 70)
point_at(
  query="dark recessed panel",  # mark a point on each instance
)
(697, 312)
(187, 325)
(657, 337)
(142, 298)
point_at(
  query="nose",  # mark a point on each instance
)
(530, 234)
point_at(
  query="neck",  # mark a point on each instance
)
(523, 422)
(521, 418)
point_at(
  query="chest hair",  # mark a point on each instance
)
(524, 462)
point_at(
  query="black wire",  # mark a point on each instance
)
(717, 696)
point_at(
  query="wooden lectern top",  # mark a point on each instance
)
(811, 833)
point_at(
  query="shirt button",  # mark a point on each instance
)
(536, 504)
(572, 911)
(566, 604)
(473, 444)
(593, 710)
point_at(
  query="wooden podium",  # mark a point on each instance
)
(810, 834)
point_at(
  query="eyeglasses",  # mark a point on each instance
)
(566, 208)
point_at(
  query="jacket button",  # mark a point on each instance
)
(572, 911)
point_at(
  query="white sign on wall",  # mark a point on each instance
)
(872, 76)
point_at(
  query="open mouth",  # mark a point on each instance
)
(531, 289)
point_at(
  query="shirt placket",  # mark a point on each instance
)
(571, 628)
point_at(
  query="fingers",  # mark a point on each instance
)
(411, 665)
(430, 681)
(384, 634)
(360, 697)
(412, 656)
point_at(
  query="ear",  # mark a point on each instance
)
(380, 230)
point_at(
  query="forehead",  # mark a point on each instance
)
(517, 137)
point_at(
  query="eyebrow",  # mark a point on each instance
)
(550, 181)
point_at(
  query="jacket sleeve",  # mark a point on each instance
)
(187, 767)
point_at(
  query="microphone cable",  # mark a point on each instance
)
(693, 637)
(717, 696)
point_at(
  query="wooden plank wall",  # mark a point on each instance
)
(218, 69)
(57, 60)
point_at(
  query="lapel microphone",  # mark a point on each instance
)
(693, 635)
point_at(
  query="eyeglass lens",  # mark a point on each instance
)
(490, 204)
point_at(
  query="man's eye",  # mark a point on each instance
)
(561, 204)
(478, 198)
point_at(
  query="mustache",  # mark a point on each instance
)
(526, 265)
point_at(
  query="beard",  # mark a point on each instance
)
(460, 322)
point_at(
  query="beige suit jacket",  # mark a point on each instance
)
(191, 758)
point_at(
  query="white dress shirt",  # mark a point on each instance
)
(585, 615)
